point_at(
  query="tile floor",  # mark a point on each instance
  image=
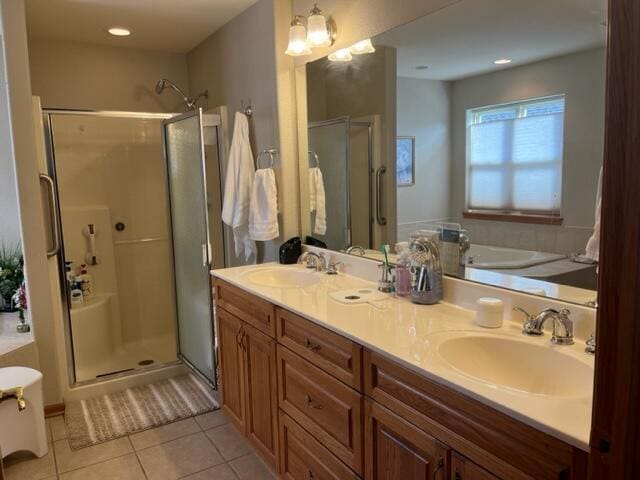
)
(206, 447)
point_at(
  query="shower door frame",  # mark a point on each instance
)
(357, 123)
(199, 112)
(47, 114)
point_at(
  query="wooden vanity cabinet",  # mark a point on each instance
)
(231, 364)
(464, 469)
(317, 405)
(396, 449)
(249, 389)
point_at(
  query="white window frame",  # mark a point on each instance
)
(473, 118)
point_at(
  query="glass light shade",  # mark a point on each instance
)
(298, 41)
(342, 55)
(318, 35)
(363, 46)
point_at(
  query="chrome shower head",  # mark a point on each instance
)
(190, 102)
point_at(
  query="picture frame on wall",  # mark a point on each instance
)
(405, 161)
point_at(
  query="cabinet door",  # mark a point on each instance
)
(395, 449)
(232, 383)
(262, 392)
(464, 469)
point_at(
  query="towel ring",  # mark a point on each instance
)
(315, 157)
(269, 151)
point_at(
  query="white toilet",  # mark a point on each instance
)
(22, 429)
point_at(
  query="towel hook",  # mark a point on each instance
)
(269, 151)
(248, 109)
(315, 157)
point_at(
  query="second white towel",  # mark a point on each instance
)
(317, 201)
(263, 213)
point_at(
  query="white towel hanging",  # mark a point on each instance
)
(317, 200)
(263, 216)
(593, 245)
(237, 189)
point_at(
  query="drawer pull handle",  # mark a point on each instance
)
(439, 466)
(238, 336)
(312, 403)
(310, 345)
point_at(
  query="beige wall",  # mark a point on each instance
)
(96, 77)
(242, 62)
(424, 112)
(24, 154)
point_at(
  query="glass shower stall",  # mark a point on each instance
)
(135, 214)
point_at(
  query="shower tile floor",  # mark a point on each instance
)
(199, 448)
(161, 350)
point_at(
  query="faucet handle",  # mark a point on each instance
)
(529, 326)
(591, 345)
(332, 268)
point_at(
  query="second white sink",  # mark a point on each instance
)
(517, 365)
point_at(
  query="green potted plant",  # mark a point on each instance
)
(11, 275)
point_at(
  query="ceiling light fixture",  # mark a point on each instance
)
(298, 38)
(119, 31)
(363, 46)
(502, 61)
(342, 55)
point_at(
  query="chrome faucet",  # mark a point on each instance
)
(353, 248)
(426, 272)
(562, 324)
(313, 260)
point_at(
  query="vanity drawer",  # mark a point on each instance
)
(333, 353)
(253, 310)
(302, 457)
(327, 408)
(493, 440)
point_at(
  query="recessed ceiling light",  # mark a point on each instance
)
(119, 31)
(422, 67)
(502, 61)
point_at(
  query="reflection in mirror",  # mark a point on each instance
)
(488, 118)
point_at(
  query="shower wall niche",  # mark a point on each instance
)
(110, 173)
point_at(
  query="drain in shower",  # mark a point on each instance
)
(144, 363)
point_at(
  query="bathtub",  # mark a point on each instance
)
(489, 257)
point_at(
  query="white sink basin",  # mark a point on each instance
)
(518, 365)
(283, 277)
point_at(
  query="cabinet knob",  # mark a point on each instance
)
(312, 403)
(311, 345)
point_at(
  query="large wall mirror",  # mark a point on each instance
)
(483, 121)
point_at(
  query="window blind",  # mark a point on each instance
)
(514, 156)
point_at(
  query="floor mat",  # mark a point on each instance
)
(99, 419)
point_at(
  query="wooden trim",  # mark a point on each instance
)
(513, 217)
(615, 430)
(54, 410)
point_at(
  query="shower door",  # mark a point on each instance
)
(187, 177)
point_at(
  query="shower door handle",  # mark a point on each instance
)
(379, 218)
(52, 201)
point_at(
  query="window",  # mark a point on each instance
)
(514, 157)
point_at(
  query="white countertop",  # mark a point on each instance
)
(404, 332)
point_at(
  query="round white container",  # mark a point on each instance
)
(489, 312)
